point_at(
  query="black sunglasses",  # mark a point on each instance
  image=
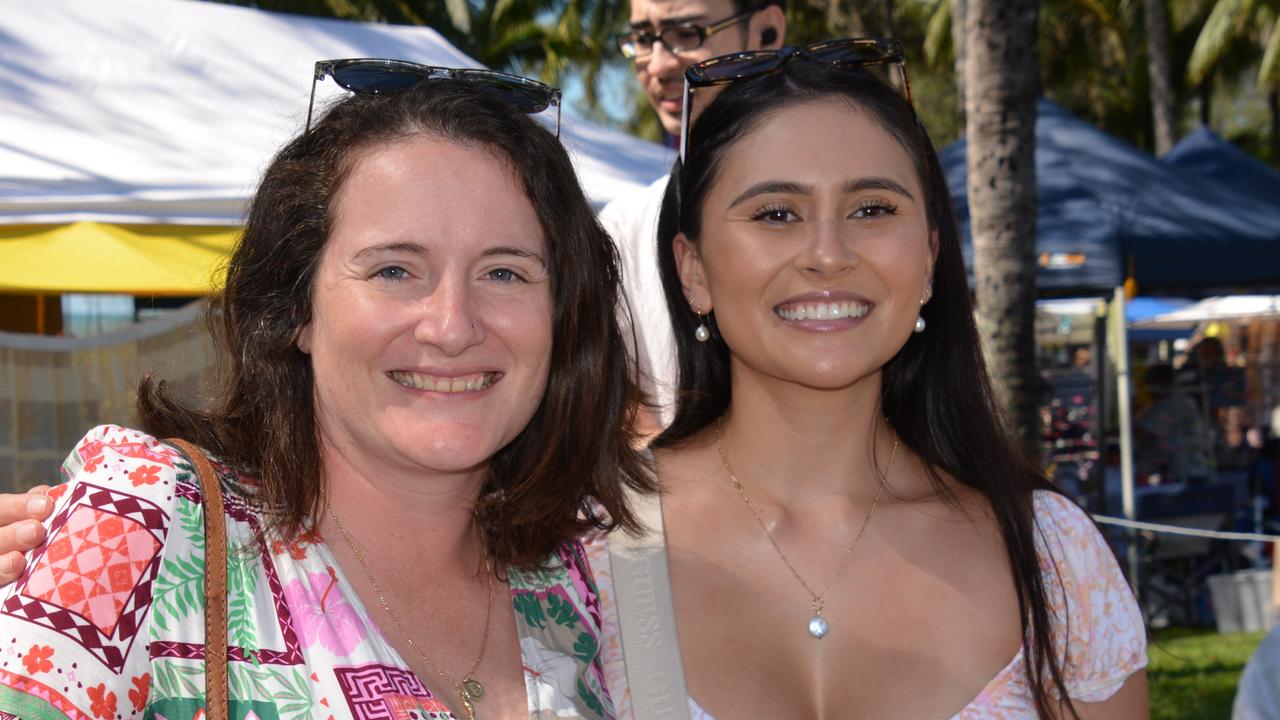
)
(377, 76)
(726, 69)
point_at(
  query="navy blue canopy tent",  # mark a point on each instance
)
(1103, 204)
(1207, 156)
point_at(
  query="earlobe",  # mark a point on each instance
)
(929, 264)
(933, 253)
(303, 341)
(767, 28)
(692, 277)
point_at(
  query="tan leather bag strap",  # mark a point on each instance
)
(647, 617)
(215, 583)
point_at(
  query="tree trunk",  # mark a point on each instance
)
(958, 50)
(1002, 82)
(1273, 102)
(886, 17)
(1206, 97)
(1161, 88)
(844, 20)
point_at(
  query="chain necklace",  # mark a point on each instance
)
(818, 626)
(468, 688)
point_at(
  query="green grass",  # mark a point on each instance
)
(1193, 672)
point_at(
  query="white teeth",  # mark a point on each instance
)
(824, 311)
(469, 383)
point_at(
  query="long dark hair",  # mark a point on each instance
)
(564, 474)
(935, 391)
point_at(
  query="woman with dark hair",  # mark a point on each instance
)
(851, 532)
(418, 333)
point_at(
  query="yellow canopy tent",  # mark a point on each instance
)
(56, 388)
(91, 257)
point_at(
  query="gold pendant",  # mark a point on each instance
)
(468, 706)
(470, 690)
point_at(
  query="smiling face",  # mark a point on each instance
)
(815, 255)
(431, 332)
(661, 74)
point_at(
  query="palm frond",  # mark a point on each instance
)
(1214, 39)
(1269, 69)
(937, 35)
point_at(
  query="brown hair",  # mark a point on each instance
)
(563, 475)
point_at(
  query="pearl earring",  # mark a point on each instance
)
(920, 323)
(701, 333)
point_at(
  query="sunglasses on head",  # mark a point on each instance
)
(727, 69)
(376, 76)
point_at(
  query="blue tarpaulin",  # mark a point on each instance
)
(1208, 156)
(1103, 203)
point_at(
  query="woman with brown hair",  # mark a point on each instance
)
(851, 531)
(424, 405)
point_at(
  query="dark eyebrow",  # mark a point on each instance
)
(682, 20)
(668, 22)
(518, 252)
(876, 183)
(394, 247)
(772, 186)
(795, 188)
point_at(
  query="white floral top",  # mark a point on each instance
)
(1096, 623)
(108, 620)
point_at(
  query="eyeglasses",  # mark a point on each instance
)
(676, 39)
(726, 69)
(376, 76)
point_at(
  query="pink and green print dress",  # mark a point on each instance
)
(108, 621)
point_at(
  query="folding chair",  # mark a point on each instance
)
(1174, 567)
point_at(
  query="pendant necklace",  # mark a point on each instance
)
(818, 625)
(468, 688)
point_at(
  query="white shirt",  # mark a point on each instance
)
(632, 222)
(1258, 696)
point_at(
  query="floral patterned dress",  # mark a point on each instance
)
(108, 620)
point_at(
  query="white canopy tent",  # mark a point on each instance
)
(164, 112)
(1229, 307)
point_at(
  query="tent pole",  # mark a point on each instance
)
(1101, 407)
(1124, 408)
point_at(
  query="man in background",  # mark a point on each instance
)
(663, 38)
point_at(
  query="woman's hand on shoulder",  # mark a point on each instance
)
(21, 528)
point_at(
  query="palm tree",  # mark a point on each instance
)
(1163, 115)
(958, 10)
(1241, 34)
(1001, 84)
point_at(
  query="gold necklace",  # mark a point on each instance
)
(468, 688)
(818, 626)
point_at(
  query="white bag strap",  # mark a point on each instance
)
(647, 617)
